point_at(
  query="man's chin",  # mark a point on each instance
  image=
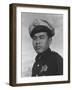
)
(39, 51)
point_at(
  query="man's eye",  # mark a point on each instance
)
(42, 37)
(34, 38)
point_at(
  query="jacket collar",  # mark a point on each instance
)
(45, 53)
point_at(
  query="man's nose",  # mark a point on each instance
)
(38, 41)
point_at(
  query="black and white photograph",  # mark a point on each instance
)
(46, 32)
(42, 44)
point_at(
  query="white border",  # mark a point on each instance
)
(20, 79)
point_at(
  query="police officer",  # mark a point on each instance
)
(47, 62)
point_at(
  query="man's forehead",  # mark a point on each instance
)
(40, 33)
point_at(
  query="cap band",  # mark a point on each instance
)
(41, 28)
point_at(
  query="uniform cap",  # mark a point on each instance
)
(41, 26)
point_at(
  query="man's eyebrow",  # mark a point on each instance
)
(42, 35)
(38, 35)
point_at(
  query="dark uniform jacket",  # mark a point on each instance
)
(48, 63)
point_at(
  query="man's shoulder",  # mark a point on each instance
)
(59, 60)
(55, 54)
(57, 57)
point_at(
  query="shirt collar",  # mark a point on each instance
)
(45, 53)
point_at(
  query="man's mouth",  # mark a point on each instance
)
(38, 47)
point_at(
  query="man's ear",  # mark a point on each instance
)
(50, 41)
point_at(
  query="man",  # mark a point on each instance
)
(47, 62)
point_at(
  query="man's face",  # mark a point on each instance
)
(41, 42)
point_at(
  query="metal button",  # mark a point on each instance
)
(37, 65)
(36, 75)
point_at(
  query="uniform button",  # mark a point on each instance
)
(36, 75)
(39, 57)
(38, 65)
